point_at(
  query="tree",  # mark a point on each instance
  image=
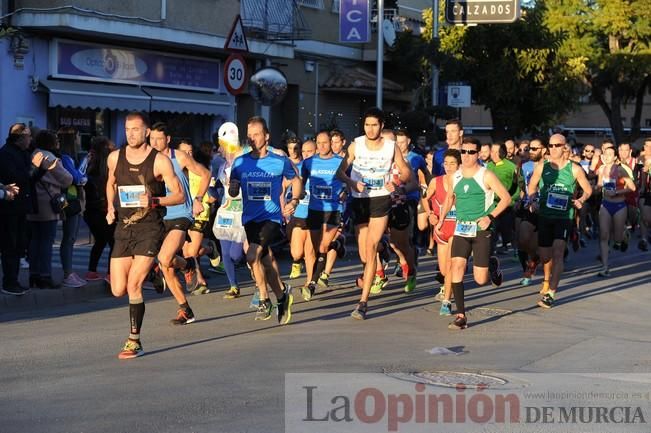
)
(607, 44)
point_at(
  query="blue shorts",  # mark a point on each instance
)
(613, 206)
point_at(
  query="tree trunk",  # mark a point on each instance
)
(615, 120)
(639, 101)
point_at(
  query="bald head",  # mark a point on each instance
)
(557, 138)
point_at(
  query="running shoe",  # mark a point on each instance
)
(24, 264)
(495, 271)
(308, 291)
(284, 307)
(200, 289)
(324, 280)
(627, 238)
(430, 252)
(525, 281)
(643, 245)
(219, 269)
(71, 281)
(460, 322)
(232, 293)
(604, 273)
(213, 256)
(264, 310)
(547, 301)
(359, 313)
(93, 276)
(397, 271)
(296, 271)
(411, 284)
(440, 295)
(378, 284)
(131, 349)
(16, 290)
(184, 317)
(446, 308)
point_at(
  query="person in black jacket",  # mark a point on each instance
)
(19, 168)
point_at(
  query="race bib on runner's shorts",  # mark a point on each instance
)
(130, 195)
(225, 219)
(466, 229)
(557, 201)
(259, 191)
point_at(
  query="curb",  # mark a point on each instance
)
(37, 299)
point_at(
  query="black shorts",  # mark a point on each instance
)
(402, 215)
(504, 224)
(479, 246)
(139, 239)
(199, 226)
(182, 224)
(365, 208)
(551, 229)
(265, 233)
(316, 219)
(298, 223)
(645, 199)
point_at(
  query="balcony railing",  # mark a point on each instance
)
(274, 19)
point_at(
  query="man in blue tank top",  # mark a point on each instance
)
(136, 190)
(178, 219)
(260, 174)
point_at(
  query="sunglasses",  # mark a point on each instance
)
(469, 152)
(535, 149)
(588, 151)
(556, 145)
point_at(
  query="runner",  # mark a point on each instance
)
(227, 227)
(325, 205)
(556, 179)
(371, 158)
(138, 173)
(436, 195)
(644, 182)
(300, 244)
(616, 184)
(473, 190)
(260, 174)
(178, 219)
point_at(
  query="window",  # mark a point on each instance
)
(647, 123)
(315, 4)
(335, 6)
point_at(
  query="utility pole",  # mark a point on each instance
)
(380, 53)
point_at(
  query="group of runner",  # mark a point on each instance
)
(159, 197)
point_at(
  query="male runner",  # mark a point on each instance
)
(371, 157)
(260, 174)
(138, 174)
(179, 219)
(472, 191)
(556, 180)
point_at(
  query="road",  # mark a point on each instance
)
(226, 372)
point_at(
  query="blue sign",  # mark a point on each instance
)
(354, 21)
(131, 66)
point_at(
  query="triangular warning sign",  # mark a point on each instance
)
(236, 40)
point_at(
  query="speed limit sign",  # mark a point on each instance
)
(235, 74)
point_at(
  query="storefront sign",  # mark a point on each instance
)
(125, 65)
(354, 21)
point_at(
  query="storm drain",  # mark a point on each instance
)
(451, 379)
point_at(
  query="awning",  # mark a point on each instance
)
(93, 95)
(183, 101)
(358, 81)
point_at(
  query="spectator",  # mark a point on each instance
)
(96, 205)
(16, 169)
(69, 144)
(43, 219)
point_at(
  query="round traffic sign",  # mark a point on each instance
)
(235, 74)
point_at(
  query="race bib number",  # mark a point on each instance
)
(374, 183)
(322, 192)
(466, 229)
(259, 191)
(451, 215)
(130, 195)
(306, 200)
(557, 201)
(225, 219)
(609, 186)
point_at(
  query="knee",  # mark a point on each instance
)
(251, 256)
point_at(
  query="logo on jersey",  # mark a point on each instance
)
(465, 189)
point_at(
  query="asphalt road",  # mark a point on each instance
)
(227, 373)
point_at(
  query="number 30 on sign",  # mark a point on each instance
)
(235, 74)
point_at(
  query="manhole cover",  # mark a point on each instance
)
(451, 379)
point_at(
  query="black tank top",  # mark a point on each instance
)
(132, 177)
